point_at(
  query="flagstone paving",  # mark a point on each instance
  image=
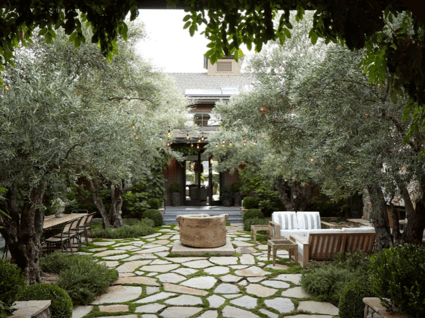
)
(153, 283)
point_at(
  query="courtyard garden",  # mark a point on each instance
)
(327, 125)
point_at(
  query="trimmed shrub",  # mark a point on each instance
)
(252, 213)
(141, 228)
(12, 282)
(251, 202)
(398, 273)
(61, 306)
(351, 301)
(154, 215)
(79, 275)
(328, 280)
(175, 187)
(254, 221)
(154, 203)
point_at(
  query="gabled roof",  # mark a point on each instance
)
(200, 84)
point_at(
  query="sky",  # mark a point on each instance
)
(168, 46)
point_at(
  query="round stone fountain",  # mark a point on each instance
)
(202, 230)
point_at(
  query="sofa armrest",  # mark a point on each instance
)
(274, 229)
(303, 249)
(299, 239)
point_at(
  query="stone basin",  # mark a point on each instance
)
(202, 230)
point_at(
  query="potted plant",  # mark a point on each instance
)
(58, 206)
(226, 196)
(175, 189)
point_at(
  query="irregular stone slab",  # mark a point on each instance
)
(167, 230)
(293, 278)
(243, 283)
(116, 257)
(162, 242)
(247, 259)
(202, 282)
(159, 268)
(111, 264)
(275, 284)
(152, 290)
(238, 266)
(162, 254)
(198, 264)
(242, 243)
(245, 302)
(224, 260)
(131, 266)
(185, 271)
(184, 290)
(251, 271)
(233, 312)
(273, 315)
(125, 316)
(175, 238)
(126, 274)
(262, 247)
(152, 274)
(126, 248)
(160, 262)
(260, 291)
(140, 256)
(113, 308)
(217, 270)
(216, 301)
(310, 316)
(226, 289)
(255, 279)
(155, 297)
(180, 312)
(118, 294)
(296, 292)
(149, 316)
(261, 264)
(209, 314)
(183, 259)
(171, 278)
(81, 311)
(104, 243)
(184, 300)
(242, 238)
(152, 235)
(166, 236)
(151, 308)
(277, 266)
(230, 278)
(141, 280)
(317, 307)
(97, 249)
(156, 249)
(282, 305)
(180, 249)
(230, 296)
(245, 249)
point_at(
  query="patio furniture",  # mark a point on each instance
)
(87, 226)
(61, 240)
(287, 223)
(256, 228)
(279, 244)
(322, 245)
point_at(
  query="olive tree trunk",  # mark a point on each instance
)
(295, 196)
(94, 185)
(115, 214)
(23, 231)
(379, 218)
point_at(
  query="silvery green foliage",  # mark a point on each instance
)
(68, 112)
(323, 121)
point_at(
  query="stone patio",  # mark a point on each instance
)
(152, 284)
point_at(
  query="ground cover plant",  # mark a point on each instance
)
(327, 281)
(79, 275)
(134, 229)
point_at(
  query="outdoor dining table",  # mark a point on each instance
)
(52, 221)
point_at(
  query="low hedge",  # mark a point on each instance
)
(61, 306)
(141, 228)
(252, 213)
(251, 202)
(255, 221)
(351, 301)
(154, 215)
(12, 282)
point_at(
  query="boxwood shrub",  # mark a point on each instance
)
(12, 282)
(154, 215)
(140, 228)
(251, 202)
(351, 301)
(252, 213)
(254, 221)
(61, 306)
(398, 274)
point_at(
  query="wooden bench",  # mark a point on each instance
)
(323, 246)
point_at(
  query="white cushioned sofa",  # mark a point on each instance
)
(287, 223)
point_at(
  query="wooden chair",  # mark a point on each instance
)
(87, 226)
(63, 239)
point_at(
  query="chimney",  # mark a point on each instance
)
(227, 66)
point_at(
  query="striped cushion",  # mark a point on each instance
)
(286, 219)
(308, 220)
